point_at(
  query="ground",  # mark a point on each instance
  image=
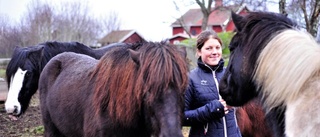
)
(28, 125)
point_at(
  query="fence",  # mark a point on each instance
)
(4, 62)
(3, 90)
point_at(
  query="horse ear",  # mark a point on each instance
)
(16, 48)
(135, 56)
(236, 20)
(37, 52)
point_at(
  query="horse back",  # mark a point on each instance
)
(63, 86)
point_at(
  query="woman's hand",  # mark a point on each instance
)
(226, 107)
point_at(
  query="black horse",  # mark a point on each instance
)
(132, 91)
(26, 64)
(275, 62)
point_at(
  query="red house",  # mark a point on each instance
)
(119, 36)
(219, 20)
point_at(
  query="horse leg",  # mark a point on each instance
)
(50, 130)
(244, 122)
(251, 120)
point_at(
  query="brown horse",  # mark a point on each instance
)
(133, 90)
(252, 121)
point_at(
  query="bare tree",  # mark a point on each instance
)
(181, 21)
(282, 7)
(255, 5)
(69, 21)
(38, 21)
(318, 33)
(305, 13)
(206, 10)
(312, 18)
(9, 37)
(66, 22)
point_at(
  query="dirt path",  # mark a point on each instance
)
(28, 125)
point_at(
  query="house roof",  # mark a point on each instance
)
(182, 35)
(118, 36)
(219, 16)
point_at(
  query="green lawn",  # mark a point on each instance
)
(2, 73)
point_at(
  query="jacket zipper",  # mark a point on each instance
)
(217, 86)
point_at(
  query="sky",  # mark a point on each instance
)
(150, 18)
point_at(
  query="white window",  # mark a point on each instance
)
(176, 42)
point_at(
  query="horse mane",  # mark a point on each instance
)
(290, 58)
(42, 52)
(19, 57)
(124, 87)
(259, 28)
(53, 48)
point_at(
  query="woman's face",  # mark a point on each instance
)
(211, 52)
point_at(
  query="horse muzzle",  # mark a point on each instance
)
(13, 109)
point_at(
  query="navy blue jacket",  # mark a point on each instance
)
(202, 106)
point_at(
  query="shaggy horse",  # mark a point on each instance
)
(273, 60)
(133, 90)
(26, 64)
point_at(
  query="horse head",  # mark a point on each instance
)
(22, 75)
(151, 95)
(254, 31)
(164, 101)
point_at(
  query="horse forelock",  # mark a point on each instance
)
(122, 86)
(285, 65)
(163, 67)
(18, 59)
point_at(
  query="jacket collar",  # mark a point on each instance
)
(207, 68)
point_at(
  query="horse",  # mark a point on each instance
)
(275, 61)
(26, 64)
(133, 90)
(251, 120)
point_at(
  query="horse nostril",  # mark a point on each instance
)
(15, 109)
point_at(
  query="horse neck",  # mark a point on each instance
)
(100, 52)
(285, 65)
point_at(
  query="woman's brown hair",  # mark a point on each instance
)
(204, 36)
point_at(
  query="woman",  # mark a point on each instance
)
(205, 111)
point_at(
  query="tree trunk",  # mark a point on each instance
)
(282, 5)
(205, 11)
(318, 33)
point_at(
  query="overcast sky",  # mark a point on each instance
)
(151, 18)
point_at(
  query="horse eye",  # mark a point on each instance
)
(28, 73)
(232, 47)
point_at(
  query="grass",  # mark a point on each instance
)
(2, 73)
